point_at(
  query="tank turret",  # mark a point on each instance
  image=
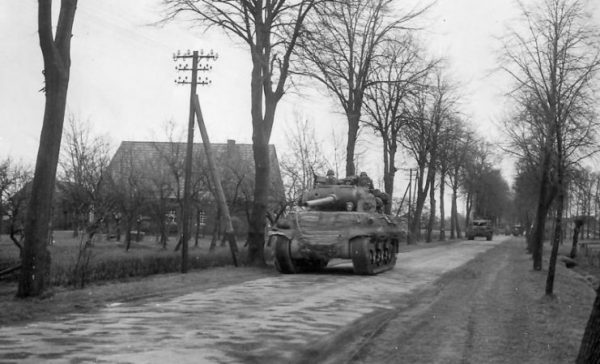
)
(339, 198)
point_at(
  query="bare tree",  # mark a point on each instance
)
(343, 41)
(553, 62)
(395, 77)
(56, 51)
(462, 145)
(270, 29)
(476, 179)
(172, 155)
(430, 108)
(83, 162)
(15, 190)
(130, 190)
(304, 158)
(451, 133)
(532, 145)
(6, 181)
(526, 189)
(163, 190)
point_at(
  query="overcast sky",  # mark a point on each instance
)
(122, 73)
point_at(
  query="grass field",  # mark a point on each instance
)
(108, 260)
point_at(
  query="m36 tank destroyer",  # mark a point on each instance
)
(338, 219)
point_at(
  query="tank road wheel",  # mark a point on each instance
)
(391, 247)
(283, 259)
(363, 255)
(371, 257)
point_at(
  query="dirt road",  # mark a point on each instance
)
(490, 310)
(283, 318)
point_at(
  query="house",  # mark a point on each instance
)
(147, 179)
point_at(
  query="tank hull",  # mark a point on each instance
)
(309, 239)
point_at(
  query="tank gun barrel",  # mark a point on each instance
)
(321, 201)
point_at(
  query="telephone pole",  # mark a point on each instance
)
(183, 59)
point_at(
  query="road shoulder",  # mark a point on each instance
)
(491, 310)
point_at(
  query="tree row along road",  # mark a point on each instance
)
(275, 319)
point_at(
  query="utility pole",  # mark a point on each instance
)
(187, 193)
(214, 172)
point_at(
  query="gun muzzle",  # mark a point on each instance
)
(327, 200)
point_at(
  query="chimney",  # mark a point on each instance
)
(230, 147)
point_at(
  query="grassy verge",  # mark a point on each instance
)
(108, 260)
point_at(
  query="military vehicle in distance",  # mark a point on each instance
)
(517, 230)
(480, 227)
(340, 219)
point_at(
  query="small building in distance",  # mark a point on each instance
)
(146, 181)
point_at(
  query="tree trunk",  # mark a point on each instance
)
(118, 233)
(128, 235)
(353, 120)
(432, 207)
(1, 217)
(455, 211)
(544, 201)
(215, 232)
(162, 224)
(537, 235)
(555, 242)
(453, 217)
(468, 206)
(389, 172)
(420, 202)
(442, 208)
(35, 271)
(576, 229)
(256, 234)
(197, 236)
(589, 351)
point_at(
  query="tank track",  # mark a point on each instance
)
(369, 256)
(373, 256)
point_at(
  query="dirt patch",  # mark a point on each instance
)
(492, 310)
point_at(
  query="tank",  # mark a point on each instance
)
(342, 220)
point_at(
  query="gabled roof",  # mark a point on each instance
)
(166, 158)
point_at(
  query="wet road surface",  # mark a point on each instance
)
(260, 321)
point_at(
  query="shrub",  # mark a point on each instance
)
(109, 261)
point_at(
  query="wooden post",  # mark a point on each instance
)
(187, 193)
(212, 169)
